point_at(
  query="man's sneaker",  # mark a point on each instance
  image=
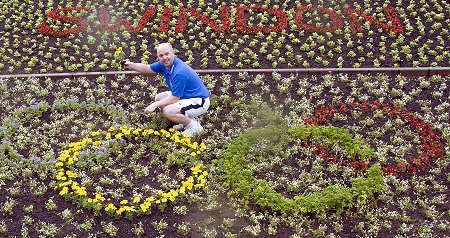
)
(178, 127)
(193, 128)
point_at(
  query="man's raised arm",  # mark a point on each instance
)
(139, 67)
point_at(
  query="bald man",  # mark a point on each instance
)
(187, 97)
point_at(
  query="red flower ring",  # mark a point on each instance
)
(432, 146)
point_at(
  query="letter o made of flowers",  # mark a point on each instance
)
(256, 147)
(76, 184)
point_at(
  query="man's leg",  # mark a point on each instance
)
(173, 113)
(191, 126)
(183, 112)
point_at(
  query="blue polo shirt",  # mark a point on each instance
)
(182, 80)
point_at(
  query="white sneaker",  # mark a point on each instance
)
(178, 127)
(193, 128)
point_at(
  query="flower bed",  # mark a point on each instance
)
(276, 34)
(42, 116)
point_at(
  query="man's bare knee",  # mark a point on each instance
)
(170, 110)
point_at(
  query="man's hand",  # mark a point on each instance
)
(125, 64)
(149, 109)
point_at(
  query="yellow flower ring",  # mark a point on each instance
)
(71, 186)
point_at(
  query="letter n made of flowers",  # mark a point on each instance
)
(393, 25)
(224, 15)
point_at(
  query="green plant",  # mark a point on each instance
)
(235, 161)
(109, 228)
(138, 229)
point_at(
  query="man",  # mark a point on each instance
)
(188, 96)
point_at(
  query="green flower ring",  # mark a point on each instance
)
(235, 164)
(70, 187)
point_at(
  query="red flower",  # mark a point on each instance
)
(164, 20)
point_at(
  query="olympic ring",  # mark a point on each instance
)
(72, 187)
(432, 146)
(235, 163)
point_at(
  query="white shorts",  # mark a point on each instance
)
(192, 107)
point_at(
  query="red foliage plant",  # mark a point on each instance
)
(431, 147)
(241, 22)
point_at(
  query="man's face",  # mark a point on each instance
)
(165, 55)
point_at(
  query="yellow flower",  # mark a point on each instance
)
(119, 54)
(144, 207)
(108, 136)
(97, 143)
(199, 185)
(64, 155)
(136, 131)
(81, 191)
(99, 197)
(129, 209)
(123, 202)
(194, 145)
(197, 169)
(62, 177)
(193, 154)
(136, 199)
(126, 132)
(64, 191)
(71, 174)
(110, 207)
(119, 212)
(95, 133)
(119, 136)
(188, 183)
